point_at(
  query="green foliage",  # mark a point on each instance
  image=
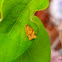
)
(13, 40)
(0, 6)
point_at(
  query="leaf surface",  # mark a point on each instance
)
(0, 6)
(40, 48)
(13, 39)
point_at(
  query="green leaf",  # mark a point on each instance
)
(13, 39)
(0, 8)
(40, 48)
(0, 4)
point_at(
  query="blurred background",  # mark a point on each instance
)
(52, 21)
